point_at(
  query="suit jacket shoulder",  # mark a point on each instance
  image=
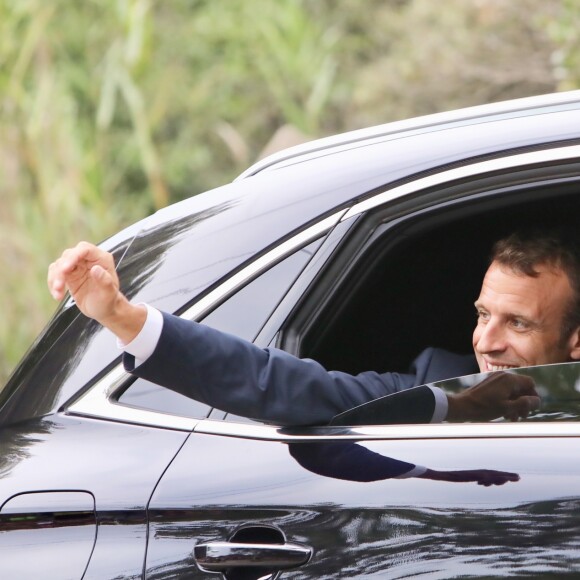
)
(436, 364)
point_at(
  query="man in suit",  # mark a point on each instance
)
(528, 314)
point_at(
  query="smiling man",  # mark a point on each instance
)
(528, 311)
(528, 314)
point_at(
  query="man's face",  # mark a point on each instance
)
(519, 319)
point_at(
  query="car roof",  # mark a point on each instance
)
(389, 153)
(225, 228)
(534, 105)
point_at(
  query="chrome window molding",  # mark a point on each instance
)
(403, 432)
(509, 162)
(201, 307)
(99, 400)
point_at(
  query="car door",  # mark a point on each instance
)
(444, 501)
(239, 483)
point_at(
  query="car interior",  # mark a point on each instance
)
(415, 282)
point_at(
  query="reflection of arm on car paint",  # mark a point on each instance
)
(353, 462)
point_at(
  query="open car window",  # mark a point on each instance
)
(400, 286)
(403, 284)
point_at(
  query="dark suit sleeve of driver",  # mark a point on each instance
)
(347, 460)
(270, 385)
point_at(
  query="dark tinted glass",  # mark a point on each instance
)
(145, 395)
(558, 386)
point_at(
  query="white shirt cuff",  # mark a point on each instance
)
(415, 472)
(143, 345)
(441, 405)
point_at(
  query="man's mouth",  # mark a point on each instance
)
(489, 367)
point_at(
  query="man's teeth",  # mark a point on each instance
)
(499, 367)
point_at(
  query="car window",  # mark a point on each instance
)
(243, 314)
(405, 279)
(403, 283)
(557, 384)
(143, 394)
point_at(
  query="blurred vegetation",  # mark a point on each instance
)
(110, 109)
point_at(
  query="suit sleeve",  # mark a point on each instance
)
(269, 385)
(349, 461)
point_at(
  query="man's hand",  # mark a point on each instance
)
(499, 395)
(88, 273)
(485, 477)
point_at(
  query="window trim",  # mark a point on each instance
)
(390, 432)
(568, 152)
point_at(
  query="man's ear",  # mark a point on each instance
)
(574, 344)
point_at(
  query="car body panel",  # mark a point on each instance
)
(60, 454)
(390, 528)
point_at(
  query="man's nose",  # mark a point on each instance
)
(492, 337)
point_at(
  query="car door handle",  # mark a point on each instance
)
(219, 556)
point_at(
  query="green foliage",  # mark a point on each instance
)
(565, 33)
(110, 109)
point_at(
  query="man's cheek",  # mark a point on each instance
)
(475, 337)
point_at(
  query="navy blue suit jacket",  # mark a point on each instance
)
(271, 385)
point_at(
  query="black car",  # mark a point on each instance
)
(358, 251)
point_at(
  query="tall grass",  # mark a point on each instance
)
(58, 182)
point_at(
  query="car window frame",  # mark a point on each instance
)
(99, 400)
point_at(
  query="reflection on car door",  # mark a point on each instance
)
(220, 489)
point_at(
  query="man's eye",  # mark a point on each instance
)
(482, 315)
(519, 324)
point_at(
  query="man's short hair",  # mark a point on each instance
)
(558, 248)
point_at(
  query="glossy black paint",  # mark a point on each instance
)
(117, 466)
(389, 528)
(47, 534)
